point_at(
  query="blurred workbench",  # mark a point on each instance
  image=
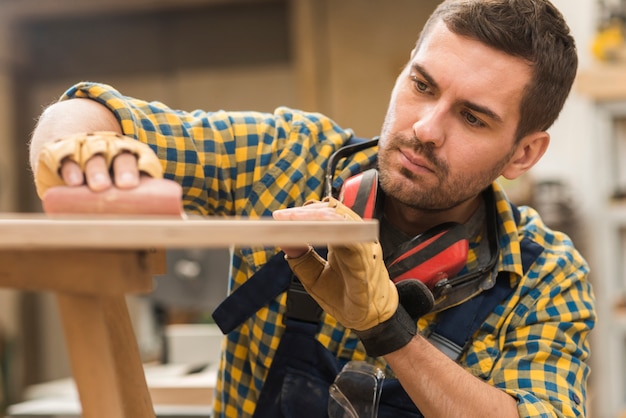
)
(176, 390)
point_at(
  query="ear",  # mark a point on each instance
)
(529, 150)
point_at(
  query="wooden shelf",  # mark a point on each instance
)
(603, 82)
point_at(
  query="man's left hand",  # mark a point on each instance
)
(353, 285)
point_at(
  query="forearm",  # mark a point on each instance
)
(441, 388)
(69, 117)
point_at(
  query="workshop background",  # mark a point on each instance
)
(337, 57)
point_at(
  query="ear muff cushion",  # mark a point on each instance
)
(415, 297)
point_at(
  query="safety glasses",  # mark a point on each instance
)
(356, 391)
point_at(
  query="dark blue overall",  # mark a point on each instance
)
(303, 370)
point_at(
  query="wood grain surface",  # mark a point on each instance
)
(133, 232)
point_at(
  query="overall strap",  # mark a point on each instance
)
(457, 324)
(266, 284)
(274, 278)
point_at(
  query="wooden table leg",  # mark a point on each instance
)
(104, 356)
(131, 381)
(90, 286)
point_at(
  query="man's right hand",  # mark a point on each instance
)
(90, 158)
(97, 175)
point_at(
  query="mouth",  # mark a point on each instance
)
(415, 162)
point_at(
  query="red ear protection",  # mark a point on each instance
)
(437, 254)
(360, 193)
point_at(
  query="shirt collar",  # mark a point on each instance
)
(510, 259)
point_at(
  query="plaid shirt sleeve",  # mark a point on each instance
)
(229, 163)
(544, 363)
(535, 346)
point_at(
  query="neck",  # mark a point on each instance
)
(414, 221)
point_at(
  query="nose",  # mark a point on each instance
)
(429, 126)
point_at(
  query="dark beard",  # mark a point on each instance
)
(426, 199)
(443, 191)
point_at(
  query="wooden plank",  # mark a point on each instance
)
(146, 232)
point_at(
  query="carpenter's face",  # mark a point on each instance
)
(450, 127)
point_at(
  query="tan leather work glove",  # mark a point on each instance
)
(80, 148)
(354, 287)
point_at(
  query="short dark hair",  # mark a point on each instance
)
(533, 30)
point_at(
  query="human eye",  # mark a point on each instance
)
(472, 120)
(420, 85)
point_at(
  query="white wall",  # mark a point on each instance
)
(575, 157)
(572, 136)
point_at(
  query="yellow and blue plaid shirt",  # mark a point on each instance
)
(534, 346)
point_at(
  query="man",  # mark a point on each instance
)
(485, 81)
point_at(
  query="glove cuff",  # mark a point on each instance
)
(389, 336)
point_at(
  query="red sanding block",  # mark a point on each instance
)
(151, 197)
